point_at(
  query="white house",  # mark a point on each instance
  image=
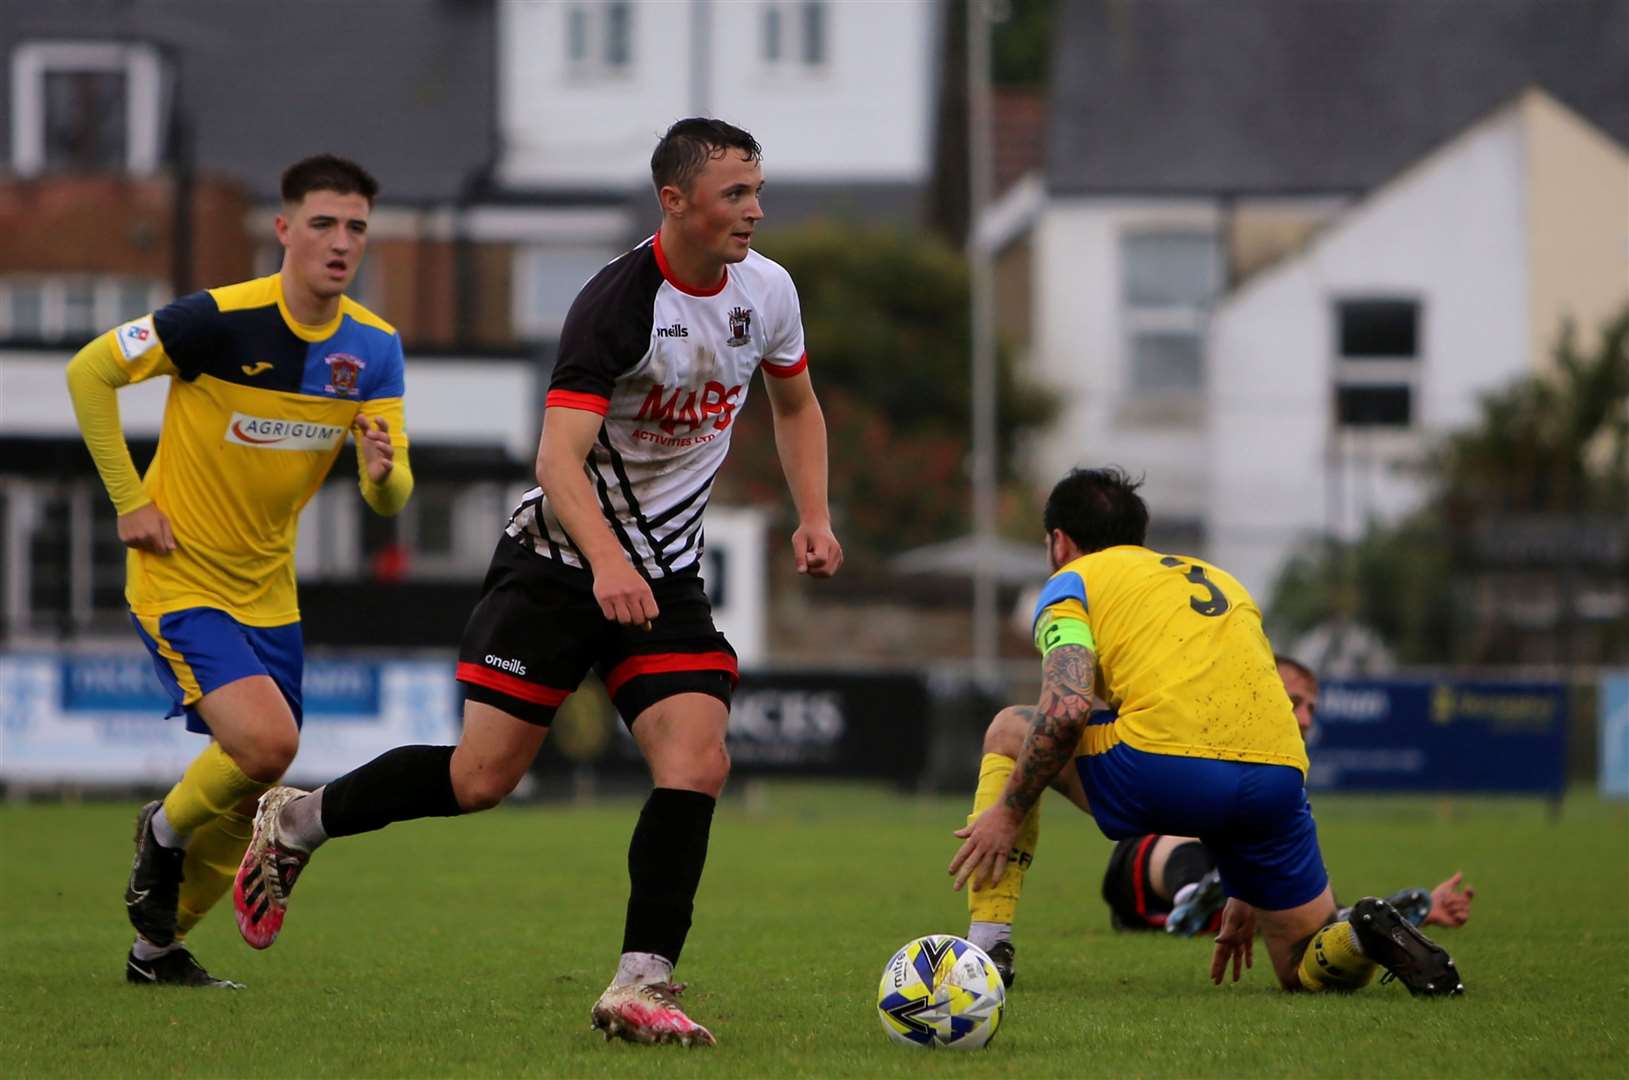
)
(839, 94)
(834, 91)
(1335, 368)
(1228, 185)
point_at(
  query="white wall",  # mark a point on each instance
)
(1449, 231)
(1080, 351)
(866, 114)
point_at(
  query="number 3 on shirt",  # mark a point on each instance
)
(1214, 602)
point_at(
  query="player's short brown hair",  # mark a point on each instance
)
(690, 144)
(327, 172)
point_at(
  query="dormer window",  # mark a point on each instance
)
(85, 107)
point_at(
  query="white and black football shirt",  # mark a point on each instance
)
(668, 367)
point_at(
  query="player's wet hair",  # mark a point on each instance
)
(690, 144)
(1296, 666)
(326, 172)
(1097, 509)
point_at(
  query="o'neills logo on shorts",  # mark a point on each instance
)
(267, 433)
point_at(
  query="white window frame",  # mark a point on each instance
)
(54, 301)
(526, 322)
(1362, 371)
(595, 63)
(144, 86)
(791, 60)
(1172, 318)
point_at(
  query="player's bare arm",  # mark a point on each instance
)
(568, 434)
(800, 440)
(1067, 676)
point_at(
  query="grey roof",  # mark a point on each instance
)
(1269, 96)
(406, 87)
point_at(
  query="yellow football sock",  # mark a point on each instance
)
(212, 785)
(1333, 960)
(998, 903)
(212, 860)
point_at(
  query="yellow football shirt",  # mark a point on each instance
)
(1182, 657)
(258, 410)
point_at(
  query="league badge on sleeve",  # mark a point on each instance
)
(136, 337)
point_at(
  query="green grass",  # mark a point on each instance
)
(475, 948)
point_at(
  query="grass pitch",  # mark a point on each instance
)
(475, 947)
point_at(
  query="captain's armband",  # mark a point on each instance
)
(1056, 631)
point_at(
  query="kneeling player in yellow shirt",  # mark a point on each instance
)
(1201, 741)
(266, 379)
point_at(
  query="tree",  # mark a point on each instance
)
(888, 328)
(1526, 507)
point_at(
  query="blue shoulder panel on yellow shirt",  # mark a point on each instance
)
(1065, 586)
(360, 361)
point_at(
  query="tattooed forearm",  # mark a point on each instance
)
(1056, 723)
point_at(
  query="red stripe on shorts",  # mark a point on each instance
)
(667, 663)
(505, 683)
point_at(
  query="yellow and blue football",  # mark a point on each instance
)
(941, 990)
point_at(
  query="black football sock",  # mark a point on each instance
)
(1187, 864)
(665, 858)
(399, 785)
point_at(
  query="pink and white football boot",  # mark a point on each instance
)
(267, 874)
(647, 1013)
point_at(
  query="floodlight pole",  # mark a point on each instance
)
(982, 276)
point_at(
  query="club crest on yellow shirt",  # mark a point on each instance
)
(343, 371)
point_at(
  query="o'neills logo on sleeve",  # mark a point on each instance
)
(268, 433)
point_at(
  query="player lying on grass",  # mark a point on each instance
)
(1202, 742)
(1157, 882)
(267, 377)
(600, 568)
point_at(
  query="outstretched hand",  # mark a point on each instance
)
(378, 455)
(1449, 906)
(816, 551)
(1234, 941)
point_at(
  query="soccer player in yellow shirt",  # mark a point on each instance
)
(267, 377)
(1201, 741)
(1157, 882)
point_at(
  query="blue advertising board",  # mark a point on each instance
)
(1440, 735)
(1614, 712)
(99, 718)
(121, 682)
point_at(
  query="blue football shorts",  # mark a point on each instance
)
(201, 649)
(1254, 818)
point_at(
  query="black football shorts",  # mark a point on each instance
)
(1133, 903)
(537, 630)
